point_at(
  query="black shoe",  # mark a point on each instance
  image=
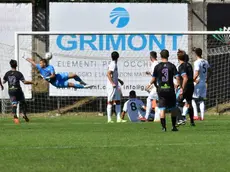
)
(26, 118)
(174, 129)
(164, 129)
(193, 124)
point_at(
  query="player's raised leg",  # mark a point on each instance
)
(78, 79)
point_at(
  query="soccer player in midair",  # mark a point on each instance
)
(202, 73)
(59, 80)
(13, 77)
(113, 92)
(162, 78)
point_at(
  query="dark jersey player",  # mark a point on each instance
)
(13, 77)
(186, 75)
(162, 78)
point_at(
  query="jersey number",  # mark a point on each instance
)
(204, 68)
(165, 75)
(133, 106)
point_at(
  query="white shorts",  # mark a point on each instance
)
(153, 95)
(113, 94)
(200, 90)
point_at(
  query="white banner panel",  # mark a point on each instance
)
(89, 55)
(13, 17)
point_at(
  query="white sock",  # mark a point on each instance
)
(157, 114)
(148, 108)
(185, 111)
(118, 111)
(109, 111)
(194, 108)
(202, 108)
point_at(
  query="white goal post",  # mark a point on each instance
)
(88, 55)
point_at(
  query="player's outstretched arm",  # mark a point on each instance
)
(30, 60)
(29, 83)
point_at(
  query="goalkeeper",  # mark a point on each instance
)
(59, 80)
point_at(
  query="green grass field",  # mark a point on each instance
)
(85, 144)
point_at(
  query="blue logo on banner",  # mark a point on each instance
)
(120, 17)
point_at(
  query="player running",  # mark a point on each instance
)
(134, 107)
(186, 75)
(13, 77)
(202, 73)
(59, 80)
(163, 74)
(152, 90)
(113, 92)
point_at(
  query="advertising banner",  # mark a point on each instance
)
(89, 55)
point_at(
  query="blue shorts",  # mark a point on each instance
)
(61, 80)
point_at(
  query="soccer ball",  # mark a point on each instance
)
(48, 56)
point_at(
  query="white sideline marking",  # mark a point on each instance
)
(102, 146)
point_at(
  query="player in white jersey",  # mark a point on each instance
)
(152, 91)
(202, 73)
(134, 107)
(113, 91)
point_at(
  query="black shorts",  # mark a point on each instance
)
(188, 92)
(16, 96)
(167, 100)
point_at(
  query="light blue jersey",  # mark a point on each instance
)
(47, 71)
(61, 79)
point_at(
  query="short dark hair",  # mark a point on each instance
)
(198, 52)
(164, 54)
(132, 93)
(44, 61)
(186, 58)
(153, 54)
(181, 55)
(13, 63)
(114, 55)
